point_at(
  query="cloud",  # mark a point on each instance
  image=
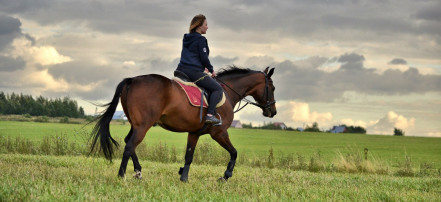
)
(299, 113)
(431, 12)
(322, 19)
(8, 64)
(9, 30)
(351, 61)
(38, 55)
(302, 113)
(398, 61)
(390, 121)
(314, 84)
(219, 61)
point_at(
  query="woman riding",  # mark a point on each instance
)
(194, 62)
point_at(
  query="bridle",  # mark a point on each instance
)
(265, 93)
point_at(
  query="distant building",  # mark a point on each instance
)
(338, 129)
(280, 125)
(236, 124)
(300, 129)
(119, 115)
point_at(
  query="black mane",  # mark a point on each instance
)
(234, 70)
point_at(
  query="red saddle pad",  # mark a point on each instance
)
(193, 94)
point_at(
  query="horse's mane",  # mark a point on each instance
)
(234, 70)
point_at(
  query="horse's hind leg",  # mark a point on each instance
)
(135, 160)
(224, 140)
(192, 140)
(132, 141)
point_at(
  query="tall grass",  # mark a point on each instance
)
(209, 153)
(78, 178)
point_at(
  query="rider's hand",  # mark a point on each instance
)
(213, 74)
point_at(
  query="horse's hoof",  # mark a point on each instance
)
(137, 175)
(184, 180)
(222, 179)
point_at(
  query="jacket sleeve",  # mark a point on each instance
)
(203, 54)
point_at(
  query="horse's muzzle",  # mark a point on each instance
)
(269, 113)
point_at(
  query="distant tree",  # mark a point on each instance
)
(313, 128)
(26, 104)
(247, 125)
(398, 132)
(355, 129)
(270, 126)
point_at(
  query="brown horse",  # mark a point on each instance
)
(155, 99)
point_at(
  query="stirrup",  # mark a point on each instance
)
(213, 120)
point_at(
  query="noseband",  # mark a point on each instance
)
(265, 93)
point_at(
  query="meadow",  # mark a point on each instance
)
(272, 165)
(63, 178)
(254, 143)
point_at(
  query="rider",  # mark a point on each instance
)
(194, 61)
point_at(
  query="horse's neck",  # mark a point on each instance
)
(243, 87)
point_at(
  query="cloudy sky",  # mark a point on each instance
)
(370, 63)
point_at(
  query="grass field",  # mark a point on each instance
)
(253, 143)
(321, 166)
(66, 178)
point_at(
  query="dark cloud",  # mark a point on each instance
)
(398, 61)
(293, 82)
(144, 17)
(351, 58)
(82, 73)
(77, 72)
(219, 61)
(431, 13)
(104, 78)
(341, 22)
(8, 64)
(351, 61)
(9, 30)
(323, 19)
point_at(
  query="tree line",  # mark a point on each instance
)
(313, 128)
(40, 106)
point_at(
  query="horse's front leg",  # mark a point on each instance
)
(192, 140)
(224, 140)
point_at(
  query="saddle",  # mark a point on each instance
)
(194, 92)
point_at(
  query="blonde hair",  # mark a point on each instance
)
(196, 22)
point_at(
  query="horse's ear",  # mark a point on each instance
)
(266, 70)
(271, 72)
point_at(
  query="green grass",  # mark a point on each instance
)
(67, 178)
(336, 161)
(255, 143)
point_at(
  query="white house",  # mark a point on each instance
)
(338, 129)
(236, 124)
(281, 125)
(119, 115)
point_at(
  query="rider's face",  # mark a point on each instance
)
(203, 28)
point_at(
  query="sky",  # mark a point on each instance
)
(369, 63)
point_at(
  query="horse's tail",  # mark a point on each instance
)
(101, 130)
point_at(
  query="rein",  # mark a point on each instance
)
(266, 92)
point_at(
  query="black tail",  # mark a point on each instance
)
(101, 130)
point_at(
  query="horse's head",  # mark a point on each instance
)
(264, 94)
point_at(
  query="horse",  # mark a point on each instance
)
(154, 99)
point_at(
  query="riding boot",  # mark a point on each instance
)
(213, 120)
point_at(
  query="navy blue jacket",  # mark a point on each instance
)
(195, 53)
